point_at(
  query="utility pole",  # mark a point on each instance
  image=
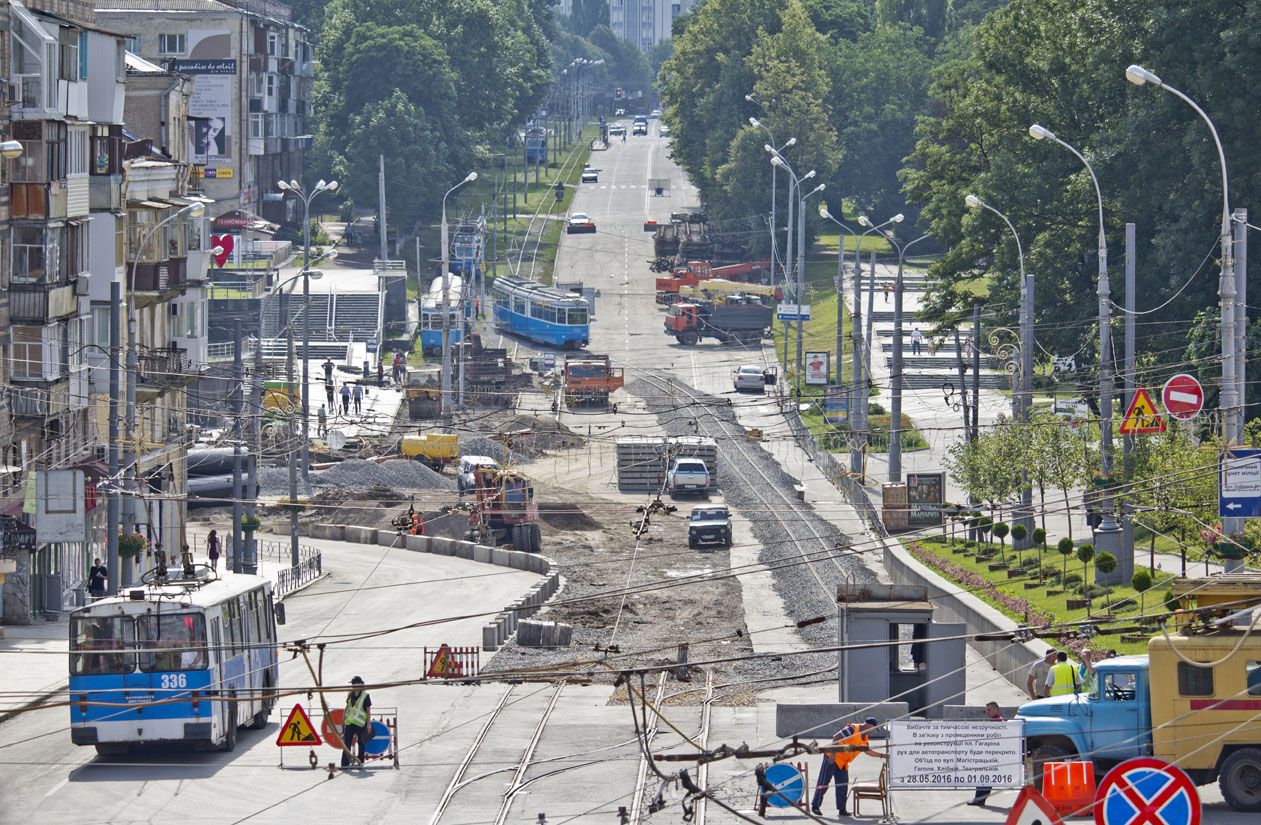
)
(1127, 462)
(963, 382)
(855, 416)
(132, 461)
(294, 555)
(801, 281)
(385, 256)
(420, 285)
(238, 382)
(976, 373)
(1240, 220)
(256, 404)
(788, 264)
(113, 504)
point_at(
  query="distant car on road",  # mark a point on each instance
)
(664, 130)
(590, 175)
(710, 523)
(749, 377)
(688, 475)
(640, 126)
(655, 113)
(579, 222)
(617, 131)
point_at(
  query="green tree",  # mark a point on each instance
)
(841, 19)
(1141, 581)
(587, 14)
(930, 16)
(627, 66)
(1018, 534)
(1001, 530)
(1106, 563)
(1065, 548)
(1084, 554)
(1039, 538)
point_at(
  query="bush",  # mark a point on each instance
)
(346, 212)
(1030, 563)
(1094, 591)
(1050, 571)
(983, 553)
(1072, 579)
(1001, 530)
(874, 408)
(1065, 546)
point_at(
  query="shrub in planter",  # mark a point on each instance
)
(1018, 534)
(1071, 579)
(1030, 563)
(1065, 549)
(1093, 591)
(1051, 572)
(1000, 532)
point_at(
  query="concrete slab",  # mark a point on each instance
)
(823, 720)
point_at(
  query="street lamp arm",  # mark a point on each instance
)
(1043, 133)
(1221, 155)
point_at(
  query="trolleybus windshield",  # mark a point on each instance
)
(102, 645)
(172, 641)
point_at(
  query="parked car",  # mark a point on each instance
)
(688, 475)
(580, 222)
(465, 480)
(749, 377)
(590, 175)
(709, 524)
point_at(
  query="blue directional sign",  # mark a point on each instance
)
(789, 784)
(1239, 483)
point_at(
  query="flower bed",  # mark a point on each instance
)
(1014, 606)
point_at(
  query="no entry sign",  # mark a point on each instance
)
(1183, 396)
(1146, 791)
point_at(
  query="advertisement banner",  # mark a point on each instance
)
(210, 105)
(836, 404)
(956, 753)
(817, 368)
(925, 495)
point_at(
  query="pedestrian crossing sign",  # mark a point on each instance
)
(297, 731)
(1142, 417)
(444, 665)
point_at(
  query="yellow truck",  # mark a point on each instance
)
(435, 449)
(1194, 699)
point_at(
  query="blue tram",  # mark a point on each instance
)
(540, 313)
(195, 640)
(431, 311)
(468, 245)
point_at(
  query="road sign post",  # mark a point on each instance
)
(1147, 791)
(1239, 483)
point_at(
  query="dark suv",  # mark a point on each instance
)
(709, 524)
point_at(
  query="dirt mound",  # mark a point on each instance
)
(566, 516)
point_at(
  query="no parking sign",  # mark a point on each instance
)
(1147, 791)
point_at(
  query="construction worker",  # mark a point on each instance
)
(836, 765)
(355, 720)
(418, 524)
(1063, 678)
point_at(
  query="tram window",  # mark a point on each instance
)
(549, 314)
(577, 316)
(231, 631)
(172, 641)
(97, 645)
(536, 311)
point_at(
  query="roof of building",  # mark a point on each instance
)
(176, 6)
(136, 63)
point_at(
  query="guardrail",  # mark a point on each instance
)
(288, 579)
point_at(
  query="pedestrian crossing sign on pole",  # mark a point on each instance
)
(1142, 417)
(297, 731)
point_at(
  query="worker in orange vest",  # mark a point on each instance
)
(418, 524)
(836, 765)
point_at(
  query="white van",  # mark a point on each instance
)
(468, 463)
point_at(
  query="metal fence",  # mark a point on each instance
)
(310, 560)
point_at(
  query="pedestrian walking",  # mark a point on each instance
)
(394, 366)
(380, 372)
(1063, 678)
(345, 399)
(917, 338)
(357, 395)
(887, 286)
(835, 766)
(402, 366)
(98, 578)
(328, 392)
(212, 547)
(983, 793)
(355, 721)
(1035, 684)
(321, 418)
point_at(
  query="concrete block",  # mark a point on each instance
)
(441, 547)
(464, 549)
(333, 532)
(499, 557)
(415, 544)
(481, 553)
(389, 538)
(489, 638)
(823, 720)
(537, 564)
(361, 535)
(518, 561)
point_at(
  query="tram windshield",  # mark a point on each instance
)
(172, 641)
(102, 645)
(577, 316)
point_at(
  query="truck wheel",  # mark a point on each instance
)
(1240, 780)
(690, 338)
(536, 538)
(1043, 754)
(519, 539)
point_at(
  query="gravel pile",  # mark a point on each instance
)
(395, 474)
(483, 445)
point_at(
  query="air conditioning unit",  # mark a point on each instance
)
(83, 284)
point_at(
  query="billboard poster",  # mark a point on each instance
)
(210, 105)
(836, 404)
(925, 495)
(817, 368)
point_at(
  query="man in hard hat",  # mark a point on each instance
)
(836, 765)
(355, 721)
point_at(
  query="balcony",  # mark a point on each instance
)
(40, 399)
(41, 303)
(161, 369)
(160, 277)
(38, 200)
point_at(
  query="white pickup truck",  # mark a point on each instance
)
(688, 475)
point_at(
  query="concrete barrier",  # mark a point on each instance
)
(361, 535)
(821, 721)
(953, 606)
(518, 561)
(332, 532)
(481, 553)
(441, 547)
(464, 549)
(499, 557)
(416, 544)
(387, 538)
(490, 640)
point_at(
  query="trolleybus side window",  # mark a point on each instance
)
(101, 645)
(231, 630)
(172, 641)
(518, 306)
(216, 640)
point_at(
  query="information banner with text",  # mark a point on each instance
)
(956, 753)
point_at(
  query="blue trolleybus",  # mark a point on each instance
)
(196, 640)
(431, 311)
(540, 313)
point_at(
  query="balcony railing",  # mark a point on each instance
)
(160, 276)
(40, 400)
(41, 302)
(162, 366)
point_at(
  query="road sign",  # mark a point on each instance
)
(1183, 397)
(380, 742)
(1239, 483)
(444, 665)
(956, 753)
(297, 731)
(372, 344)
(789, 785)
(1031, 808)
(1147, 791)
(836, 404)
(817, 368)
(793, 312)
(1142, 417)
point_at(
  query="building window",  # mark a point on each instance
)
(271, 85)
(100, 327)
(77, 160)
(29, 258)
(83, 55)
(36, 353)
(132, 44)
(170, 44)
(69, 55)
(33, 60)
(256, 126)
(277, 44)
(120, 240)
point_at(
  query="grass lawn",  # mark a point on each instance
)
(1039, 604)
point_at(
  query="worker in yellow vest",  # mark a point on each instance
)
(355, 720)
(836, 765)
(1063, 678)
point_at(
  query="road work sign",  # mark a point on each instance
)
(956, 753)
(444, 665)
(297, 731)
(1031, 808)
(1239, 483)
(1147, 791)
(1142, 417)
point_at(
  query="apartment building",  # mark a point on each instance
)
(646, 22)
(251, 71)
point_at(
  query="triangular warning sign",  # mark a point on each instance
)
(444, 665)
(1031, 808)
(1142, 417)
(298, 730)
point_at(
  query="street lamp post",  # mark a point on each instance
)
(1108, 534)
(895, 402)
(871, 280)
(1231, 395)
(862, 364)
(794, 185)
(840, 285)
(801, 270)
(774, 183)
(1022, 401)
(446, 310)
(294, 189)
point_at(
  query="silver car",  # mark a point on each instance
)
(750, 378)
